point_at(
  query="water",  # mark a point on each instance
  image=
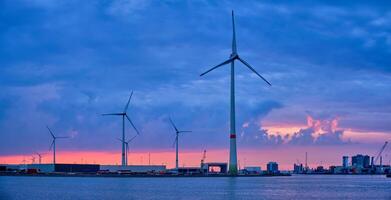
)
(295, 187)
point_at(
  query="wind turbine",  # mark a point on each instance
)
(233, 169)
(54, 144)
(124, 114)
(39, 157)
(32, 160)
(127, 147)
(176, 143)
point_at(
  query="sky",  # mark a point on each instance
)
(64, 63)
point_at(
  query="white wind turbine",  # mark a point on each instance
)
(233, 168)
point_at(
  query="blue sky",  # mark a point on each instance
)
(62, 63)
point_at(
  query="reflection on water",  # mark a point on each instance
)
(295, 187)
(231, 189)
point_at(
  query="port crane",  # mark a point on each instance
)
(379, 154)
(203, 161)
(203, 158)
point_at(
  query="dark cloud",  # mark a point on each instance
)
(252, 135)
(64, 63)
(303, 137)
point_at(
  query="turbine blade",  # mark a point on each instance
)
(234, 50)
(50, 148)
(50, 132)
(119, 139)
(252, 69)
(112, 114)
(134, 127)
(173, 144)
(127, 104)
(185, 131)
(219, 65)
(131, 139)
(63, 137)
(172, 123)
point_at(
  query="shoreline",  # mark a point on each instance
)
(138, 175)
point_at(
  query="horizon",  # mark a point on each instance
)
(66, 63)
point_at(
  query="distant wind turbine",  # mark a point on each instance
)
(32, 160)
(54, 143)
(176, 142)
(39, 157)
(124, 114)
(127, 147)
(233, 168)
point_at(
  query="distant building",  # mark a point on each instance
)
(133, 168)
(214, 167)
(345, 161)
(319, 169)
(189, 170)
(298, 169)
(42, 168)
(253, 170)
(272, 167)
(63, 168)
(360, 161)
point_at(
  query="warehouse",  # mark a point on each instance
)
(134, 168)
(79, 168)
(64, 168)
(41, 168)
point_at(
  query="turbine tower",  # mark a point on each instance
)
(233, 168)
(127, 147)
(176, 143)
(124, 114)
(54, 144)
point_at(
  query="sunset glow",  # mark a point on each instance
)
(329, 70)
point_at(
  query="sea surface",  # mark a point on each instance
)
(294, 187)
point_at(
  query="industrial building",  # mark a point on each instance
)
(188, 170)
(82, 168)
(345, 161)
(360, 165)
(253, 170)
(214, 167)
(298, 168)
(339, 170)
(272, 167)
(10, 167)
(42, 168)
(360, 161)
(133, 168)
(63, 168)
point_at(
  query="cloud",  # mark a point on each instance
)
(317, 132)
(252, 135)
(322, 132)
